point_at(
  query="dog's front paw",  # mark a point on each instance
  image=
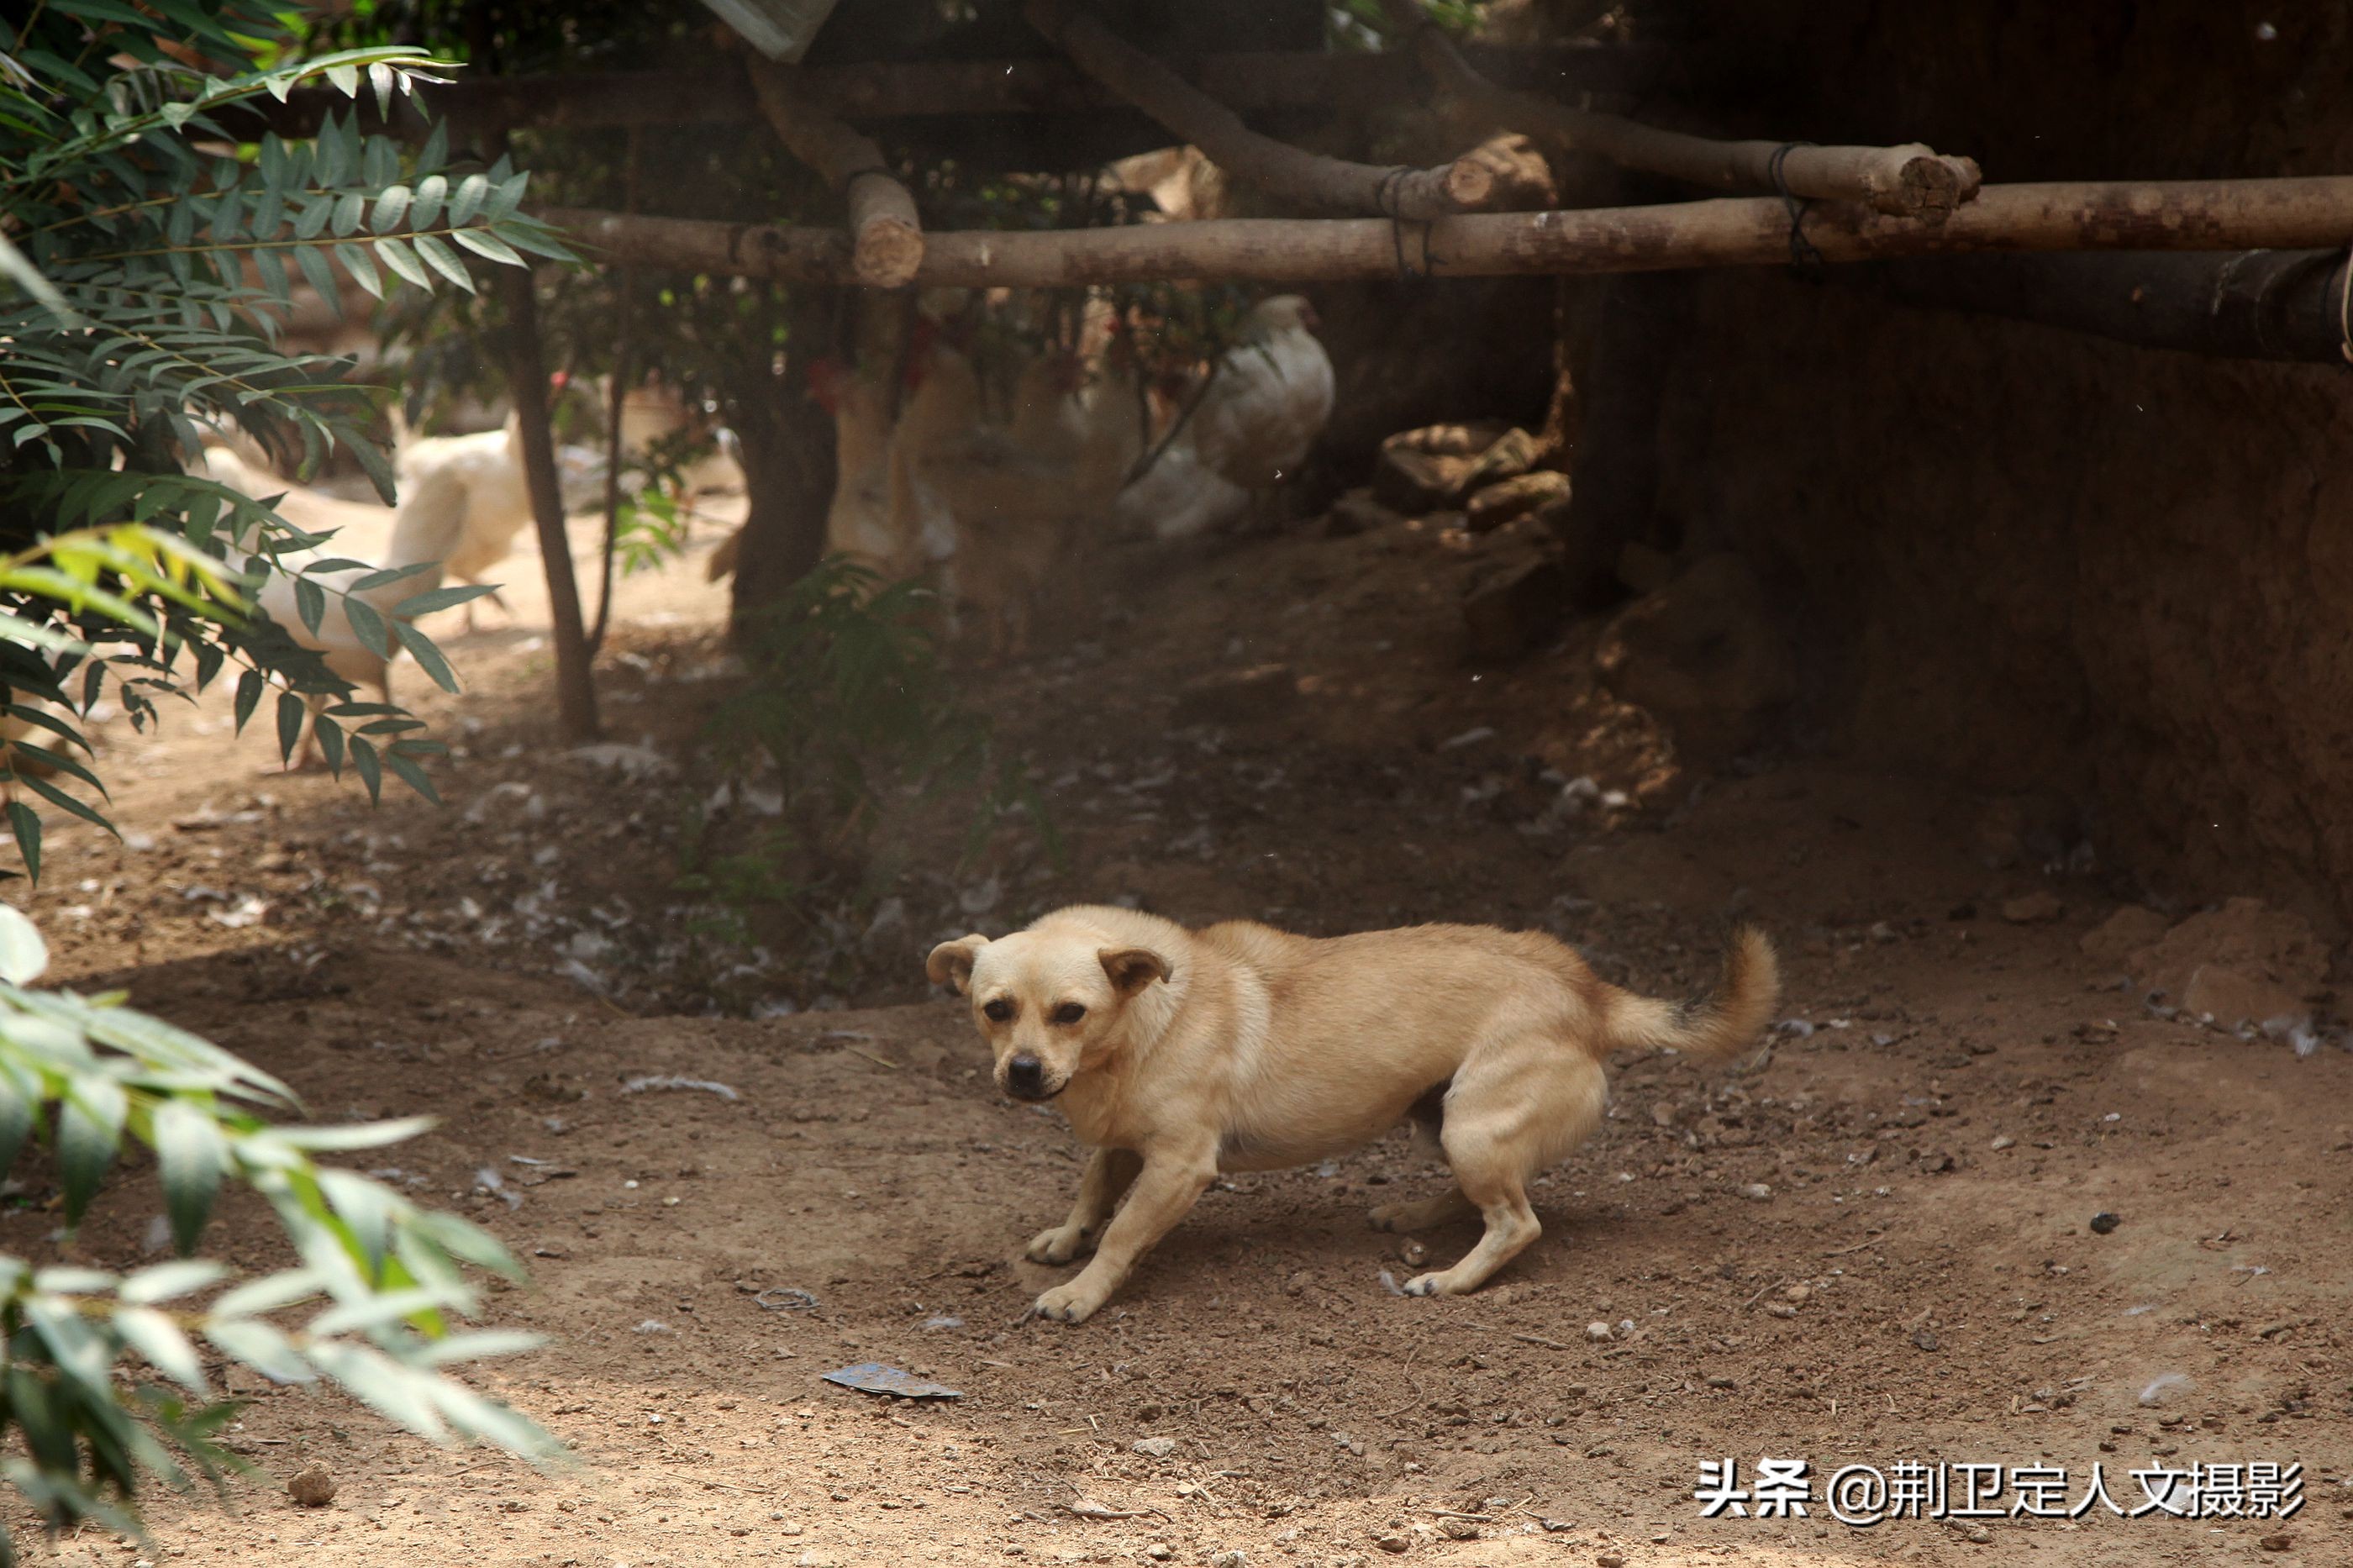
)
(1431, 1285)
(1058, 1245)
(1067, 1303)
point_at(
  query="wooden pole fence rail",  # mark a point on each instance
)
(2188, 215)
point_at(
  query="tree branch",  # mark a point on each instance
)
(1276, 167)
(886, 237)
(1912, 180)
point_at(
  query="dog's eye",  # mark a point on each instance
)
(998, 1010)
(1069, 1013)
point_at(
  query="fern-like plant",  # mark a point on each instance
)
(148, 226)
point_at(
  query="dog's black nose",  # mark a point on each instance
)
(1024, 1076)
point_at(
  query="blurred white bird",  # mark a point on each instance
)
(1267, 401)
(480, 478)
(462, 500)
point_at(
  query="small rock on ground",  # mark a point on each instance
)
(313, 1485)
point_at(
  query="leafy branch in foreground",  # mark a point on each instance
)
(152, 235)
(376, 1281)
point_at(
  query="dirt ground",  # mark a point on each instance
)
(1872, 1246)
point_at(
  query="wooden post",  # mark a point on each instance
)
(1276, 167)
(1912, 180)
(2186, 215)
(576, 684)
(886, 237)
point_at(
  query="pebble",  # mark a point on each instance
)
(1392, 1543)
(1228, 1559)
(2104, 1222)
(1458, 1528)
(2004, 1142)
(1925, 1339)
(313, 1485)
(1596, 1330)
(2278, 1542)
(1798, 1295)
(1155, 1447)
(1158, 1552)
(1978, 1535)
(1609, 1560)
(1756, 1190)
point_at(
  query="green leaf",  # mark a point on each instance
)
(358, 1135)
(321, 276)
(483, 243)
(468, 1242)
(373, 1312)
(351, 208)
(429, 657)
(362, 266)
(310, 602)
(157, 1338)
(433, 600)
(260, 1347)
(363, 758)
(292, 712)
(391, 207)
(250, 686)
(369, 1208)
(270, 1293)
(367, 625)
(444, 261)
(467, 201)
(23, 954)
(90, 1129)
(165, 1281)
(431, 192)
(17, 1100)
(404, 764)
(395, 1392)
(476, 1345)
(191, 1155)
(402, 262)
(25, 823)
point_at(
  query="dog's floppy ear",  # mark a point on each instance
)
(1133, 968)
(951, 962)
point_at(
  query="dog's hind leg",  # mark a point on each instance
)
(1107, 1177)
(1506, 1119)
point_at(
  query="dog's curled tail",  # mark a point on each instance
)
(1723, 1024)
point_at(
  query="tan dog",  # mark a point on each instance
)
(1180, 1054)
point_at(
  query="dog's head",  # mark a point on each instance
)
(1051, 1004)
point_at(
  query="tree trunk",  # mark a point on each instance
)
(575, 682)
(788, 468)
